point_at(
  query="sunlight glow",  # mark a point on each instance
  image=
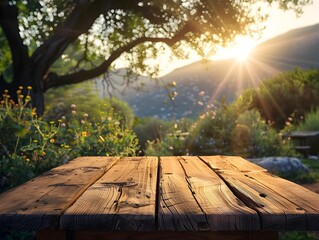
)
(239, 49)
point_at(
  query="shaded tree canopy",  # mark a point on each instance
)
(285, 98)
(87, 36)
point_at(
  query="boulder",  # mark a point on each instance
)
(281, 165)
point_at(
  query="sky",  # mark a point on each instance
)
(278, 22)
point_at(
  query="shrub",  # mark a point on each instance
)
(212, 133)
(102, 136)
(172, 141)
(311, 122)
(151, 130)
(29, 145)
(224, 131)
(253, 137)
(278, 98)
(59, 100)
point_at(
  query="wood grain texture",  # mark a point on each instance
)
(194, 198)
(123, 199)
(168, 195)
(281, 204)
(38, 203)
(158, 235)
(231, 163)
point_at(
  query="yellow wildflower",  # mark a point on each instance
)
(52, 140)
(84, 134)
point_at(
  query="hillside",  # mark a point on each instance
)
(202, 83)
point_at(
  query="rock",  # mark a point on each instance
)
(312, 157)
(281, 165)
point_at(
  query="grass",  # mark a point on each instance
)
(313, 166)
(311, 177)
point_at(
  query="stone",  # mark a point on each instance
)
(281, 165)
(312, 157)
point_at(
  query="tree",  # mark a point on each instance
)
(284, 98)
(89, 35)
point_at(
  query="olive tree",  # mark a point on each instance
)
(85, 37)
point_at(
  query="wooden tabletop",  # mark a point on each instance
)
(211, 193)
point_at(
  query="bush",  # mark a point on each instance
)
(224, 131)
(212, 133)
(171, 141)
(278, 98)
(59, 100)
(102, 136)
(150, 130)
(29, 145)
(311, 122)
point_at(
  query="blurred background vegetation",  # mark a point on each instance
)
(78, 122)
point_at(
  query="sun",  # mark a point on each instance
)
(239, 49)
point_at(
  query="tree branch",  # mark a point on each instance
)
(10, 26)
(78, 22)
(83, 75)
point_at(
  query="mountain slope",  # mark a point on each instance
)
(200, 84)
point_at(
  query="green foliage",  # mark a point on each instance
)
(311, 121)
(151, 129)
(103, 136)
(288, 95)
(59, 100)
(222, 131)
(313, 175)
(26, 142)
(30, 145)
(136, 31)
(295, 235)
(173, 142)
(253, 137)
(212, 133)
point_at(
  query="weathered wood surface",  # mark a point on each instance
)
(194, 198)
(281, 204)
(123, 199)
(39, 203)
(165, 195)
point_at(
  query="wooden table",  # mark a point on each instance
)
(212, 197)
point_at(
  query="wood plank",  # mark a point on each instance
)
(231, 163)
(194, 198)
(158, 235)
(38, 203)
(282, 205)
(122, 200)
